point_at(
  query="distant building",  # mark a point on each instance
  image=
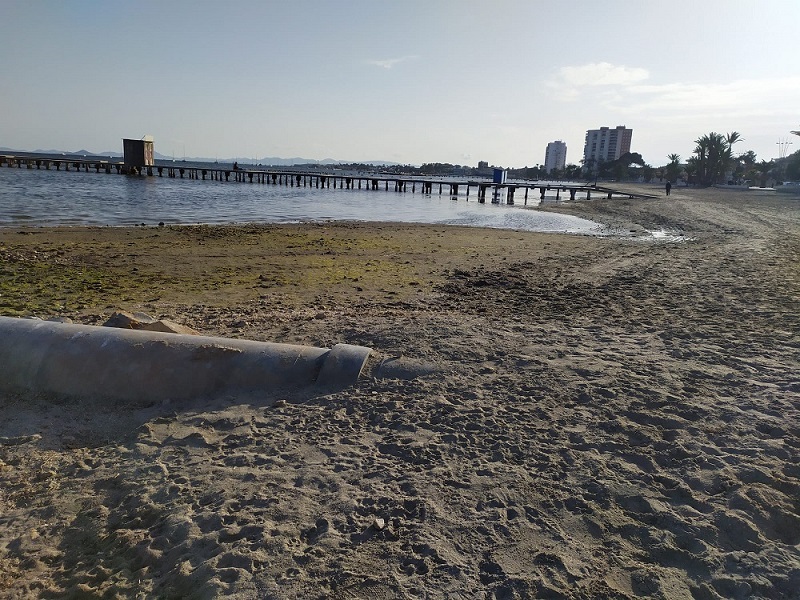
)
(606, 144)
(555, 157)
(484, 170)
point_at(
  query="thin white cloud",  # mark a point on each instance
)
(623, 90)
(602, 73)
(570, 82)
(389, 63)
(742, 98)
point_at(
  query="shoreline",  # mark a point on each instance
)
(608, 418)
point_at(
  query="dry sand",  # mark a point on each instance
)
(613, 417)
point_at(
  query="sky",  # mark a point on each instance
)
(408, 81)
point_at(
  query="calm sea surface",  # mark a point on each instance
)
(34, 197)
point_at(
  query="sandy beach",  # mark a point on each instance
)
(610, 416)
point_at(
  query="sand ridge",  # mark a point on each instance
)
(612, 416)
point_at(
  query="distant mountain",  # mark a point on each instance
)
(274, 161)
(40, 151)
(81, 152)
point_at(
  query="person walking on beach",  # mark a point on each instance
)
(669, 187)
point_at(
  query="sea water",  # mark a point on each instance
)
(39, 197)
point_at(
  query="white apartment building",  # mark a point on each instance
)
(606, 144)
(555, 156)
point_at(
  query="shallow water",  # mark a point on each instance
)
(34, 197)
(664, 235)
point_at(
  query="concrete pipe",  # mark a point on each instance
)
(124, 364)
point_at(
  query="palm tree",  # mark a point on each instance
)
(701, 156)
(693, 169)
(718, 156)
(673, 168)
(714, 155)
(733, 137)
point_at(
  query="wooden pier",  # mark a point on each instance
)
(498, 193)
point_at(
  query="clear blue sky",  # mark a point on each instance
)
(410, 81)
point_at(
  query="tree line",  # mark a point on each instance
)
(570, 172)
(713, 161)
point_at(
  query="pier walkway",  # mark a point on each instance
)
(498, 192)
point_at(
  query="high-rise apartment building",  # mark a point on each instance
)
(606, 144)
(555, 157)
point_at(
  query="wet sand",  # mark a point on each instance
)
(612, 417)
